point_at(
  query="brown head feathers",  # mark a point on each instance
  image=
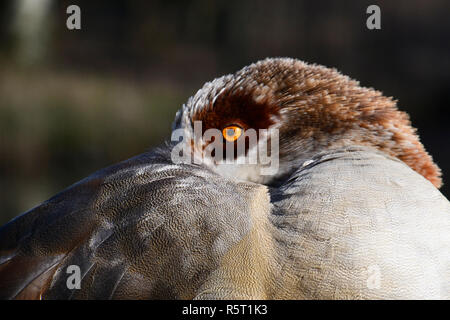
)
(314, 107)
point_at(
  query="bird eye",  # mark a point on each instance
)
(232, 133)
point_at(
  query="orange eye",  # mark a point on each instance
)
(232, 133)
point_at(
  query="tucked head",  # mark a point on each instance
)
(300, 109)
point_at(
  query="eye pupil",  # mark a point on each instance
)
(232, 133)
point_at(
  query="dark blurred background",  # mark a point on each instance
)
(72, 102)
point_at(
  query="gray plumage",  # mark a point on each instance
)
(375, 230)
(140, 229)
